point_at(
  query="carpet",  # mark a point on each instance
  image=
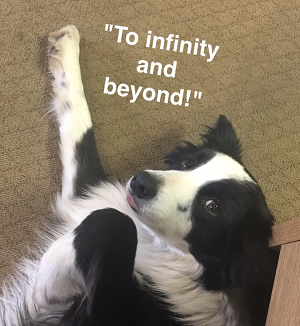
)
(246, 66)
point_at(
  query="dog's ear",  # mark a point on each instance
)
(253, 265)
(222, 138)
(250, 262)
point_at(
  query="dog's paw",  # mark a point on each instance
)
(63, 49)
(57, 280)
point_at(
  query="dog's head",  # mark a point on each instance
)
(209, 200)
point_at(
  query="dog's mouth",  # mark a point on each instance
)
(131, 202)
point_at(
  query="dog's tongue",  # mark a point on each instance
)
(130, 201)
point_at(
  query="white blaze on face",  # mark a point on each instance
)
(179, 188)
(220, 167)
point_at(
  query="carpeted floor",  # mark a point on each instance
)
(254, 79)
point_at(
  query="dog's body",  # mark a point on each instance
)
(178, 247)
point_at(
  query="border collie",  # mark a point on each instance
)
(186, 246)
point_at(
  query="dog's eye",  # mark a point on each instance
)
(212, 207)
(186, 163)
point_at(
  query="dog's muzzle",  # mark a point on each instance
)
(143, 185)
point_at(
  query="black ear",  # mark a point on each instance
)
(250, 262)
(222, 138)
(252, 265)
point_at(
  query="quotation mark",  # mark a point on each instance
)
(197, 96)
(131, 37)
(181, 97)
(109, 27)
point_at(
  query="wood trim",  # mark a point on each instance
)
(284, 309)
(286, 232)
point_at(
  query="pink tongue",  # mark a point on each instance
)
(130, 201)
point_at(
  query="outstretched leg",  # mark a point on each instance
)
(81, 165)
(59, 278)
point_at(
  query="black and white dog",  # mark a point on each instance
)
(187, 246)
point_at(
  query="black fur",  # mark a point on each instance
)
(105, 245)
(90, 170)
(222, 138)
(198, 155)
(232, 246)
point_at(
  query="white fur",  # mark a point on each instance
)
(180, 188)
(69, 102)
(57, 278)
(173, 269)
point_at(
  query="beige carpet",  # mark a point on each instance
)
(254, 79)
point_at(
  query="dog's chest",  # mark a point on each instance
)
(172, 281)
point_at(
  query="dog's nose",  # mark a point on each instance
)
(143, 185)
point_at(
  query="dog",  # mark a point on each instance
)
(185, 246)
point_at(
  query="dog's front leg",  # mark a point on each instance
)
(90, 270)
(81, 164)
(58, 280)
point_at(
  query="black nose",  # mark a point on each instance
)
(143, 185)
